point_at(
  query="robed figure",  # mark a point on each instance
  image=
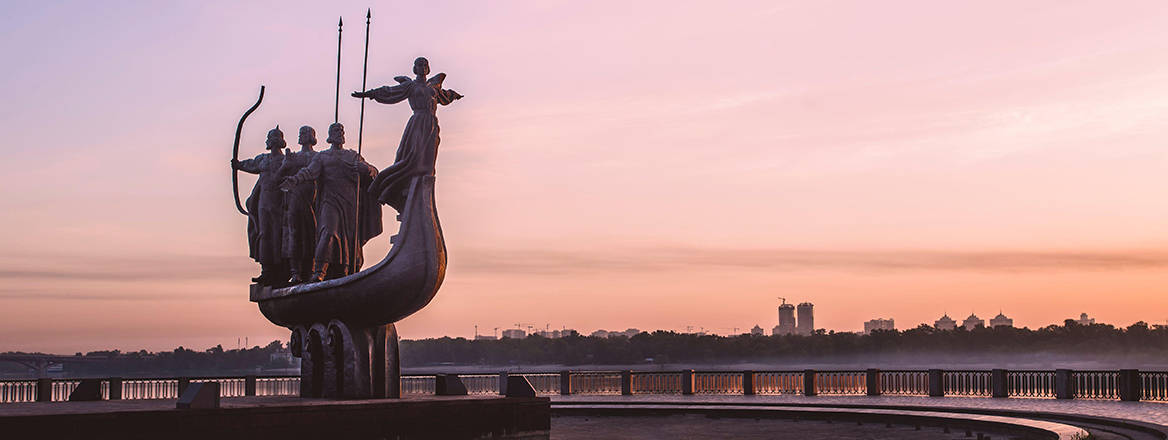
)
(265, 207)
(337, 173)
(299, 245)
(419, 144)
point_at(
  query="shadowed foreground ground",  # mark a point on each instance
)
(700, 427)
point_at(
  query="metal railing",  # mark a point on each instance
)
(13, 391)
(228, 386)
(544, 383)
(968, 383)
(150, 389)
(841, 383)
(480, 383)
(717, 383)
(1154, 386)
(418, 385)
(1096, 384)
(596, 382)
(281, 386)
(904, 383)
(1065, 384)
(655, 383)
(778, 382)
(1033, 384)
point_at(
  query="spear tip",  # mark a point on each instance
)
(340, 21)
(368, 13)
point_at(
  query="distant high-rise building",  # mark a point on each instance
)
(806, 319)
(973, 322)
(599, 334)
(514, 333)
(786, 320)
(757, 331)
(945, 323)
(1084, 320)
(1001, 321)
(879, 324)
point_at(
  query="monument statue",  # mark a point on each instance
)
(265, 209)
(343, 321)
(338, 173)
(300, 210)
(418, 149)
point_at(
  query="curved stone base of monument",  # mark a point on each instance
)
(337, 361)
(343, 329)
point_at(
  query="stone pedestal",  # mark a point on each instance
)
(348, 363)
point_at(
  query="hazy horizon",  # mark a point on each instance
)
(653, 165)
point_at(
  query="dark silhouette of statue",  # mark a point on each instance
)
(419, 144)
(337, 173)
(300, 210)
(265, 220)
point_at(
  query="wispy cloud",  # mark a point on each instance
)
(123, 269)
(549, 262)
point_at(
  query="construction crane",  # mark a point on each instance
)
(521, 325)
(783, 299)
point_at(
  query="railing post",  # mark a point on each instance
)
(873, 381)
(1130, 386)
(565, 382)
(44, 390)
(249, 385)
(936, 383)
(687, 379)
(183, 383)
(999, 381)
(747, 383)
(1064, 386)
(115, 388)
(809, 388)
(502, 383)
(626, 383)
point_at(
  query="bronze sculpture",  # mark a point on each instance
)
(343, 322)
(337, 172)
(265, 209)
(418, 149)
(300, 211)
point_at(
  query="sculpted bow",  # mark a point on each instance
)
(235, 152)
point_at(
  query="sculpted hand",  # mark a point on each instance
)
(234, 164)
(360, 95)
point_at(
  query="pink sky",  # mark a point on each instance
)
(614, 165)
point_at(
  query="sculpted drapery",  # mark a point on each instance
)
(418, 149)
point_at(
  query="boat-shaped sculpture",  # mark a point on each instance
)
(402, 283)
(343, 329)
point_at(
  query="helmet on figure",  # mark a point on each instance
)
(276, 139)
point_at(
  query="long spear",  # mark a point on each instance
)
(337, 101)
(360, 134)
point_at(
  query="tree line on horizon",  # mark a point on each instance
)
(661, 347)
(658, 347)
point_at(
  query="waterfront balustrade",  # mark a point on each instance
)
(1128, 385)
